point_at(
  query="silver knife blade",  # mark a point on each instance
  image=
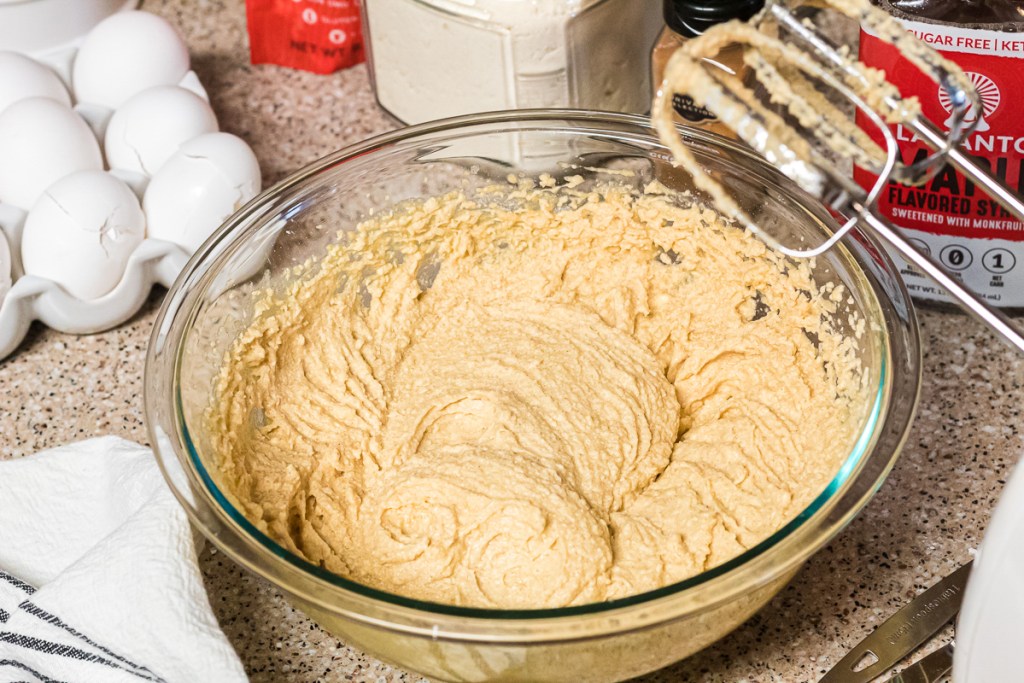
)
(904, 631)
(933, 668)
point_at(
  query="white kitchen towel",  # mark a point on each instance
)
(98, 574)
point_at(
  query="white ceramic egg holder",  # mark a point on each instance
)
(36, 298)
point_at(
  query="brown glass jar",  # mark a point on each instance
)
(686, 19)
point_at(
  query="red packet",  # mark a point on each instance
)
(322, 36)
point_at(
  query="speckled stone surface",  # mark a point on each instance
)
(923, 523)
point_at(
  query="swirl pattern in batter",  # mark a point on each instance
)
(588, 396)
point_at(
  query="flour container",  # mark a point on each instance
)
(432, 59)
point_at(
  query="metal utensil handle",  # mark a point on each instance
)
(933, 668)
(971, 302)
(903, 632)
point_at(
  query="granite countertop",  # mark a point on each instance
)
(923, 523)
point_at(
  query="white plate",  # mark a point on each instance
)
(990, 629)
(38, 26)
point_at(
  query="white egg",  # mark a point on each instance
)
(125, 54)
(41, 141)
(145, 131)
(81, 232)
(22, 77)
(207, 180)
(6, 267)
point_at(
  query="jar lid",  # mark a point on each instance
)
(690, 18)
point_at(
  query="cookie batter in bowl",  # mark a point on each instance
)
(536, 398)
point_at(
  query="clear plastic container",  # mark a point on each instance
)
(432, 59)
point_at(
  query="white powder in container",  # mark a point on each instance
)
(433, 59)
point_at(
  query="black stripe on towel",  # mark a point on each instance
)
(4, 616)
(16, 582)
(60, 650)
(39, 677)
(50, 648)
(54, 620)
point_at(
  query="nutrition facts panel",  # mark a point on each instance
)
(989, 267)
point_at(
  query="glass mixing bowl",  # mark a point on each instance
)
(294, 220)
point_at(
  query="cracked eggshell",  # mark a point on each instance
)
(6, 267)
(41, 141)
(125, 54)
(144, 133)
(81, 232)
(203, 183)
(22, 77)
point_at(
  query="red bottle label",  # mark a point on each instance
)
(948, 216)
(321, 36)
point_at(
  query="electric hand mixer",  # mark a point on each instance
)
(804, 139)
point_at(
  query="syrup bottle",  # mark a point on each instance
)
(947, 216)
(958, 11)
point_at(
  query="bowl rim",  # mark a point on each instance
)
(323, 589)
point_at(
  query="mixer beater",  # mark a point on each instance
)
(790, 118)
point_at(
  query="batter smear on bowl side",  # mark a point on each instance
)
(584, 397)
